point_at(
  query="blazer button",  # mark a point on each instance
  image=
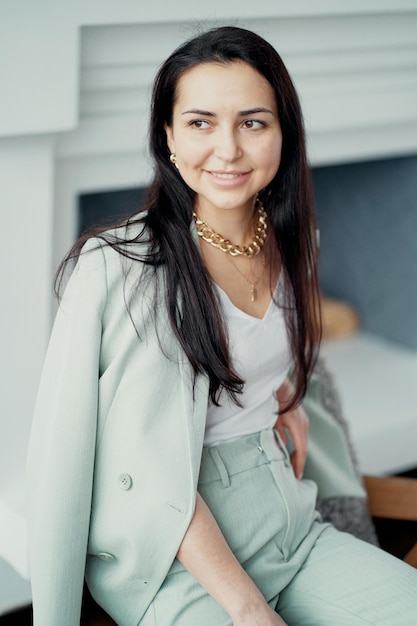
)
(125, 482)
(105, 556)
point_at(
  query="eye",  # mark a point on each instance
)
(199, 124)
(254, 124)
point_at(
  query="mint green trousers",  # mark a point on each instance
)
(309, 572)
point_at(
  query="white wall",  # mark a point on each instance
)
(26, 201)
(62, 64)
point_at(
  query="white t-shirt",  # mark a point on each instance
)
(261, 355)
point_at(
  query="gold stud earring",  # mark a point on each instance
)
(173, 158)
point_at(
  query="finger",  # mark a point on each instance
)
(298, 460)
(298, 434)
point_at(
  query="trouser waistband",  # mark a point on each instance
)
(226, 459)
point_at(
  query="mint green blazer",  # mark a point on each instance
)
(116, 444)
(115, 447)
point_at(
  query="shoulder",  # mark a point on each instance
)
(132, 230)
(118, 249)
(107, 258)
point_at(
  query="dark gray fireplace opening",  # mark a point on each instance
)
(367, 216)
(105, 208)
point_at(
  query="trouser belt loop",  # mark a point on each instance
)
(283, 447)
(218, 461)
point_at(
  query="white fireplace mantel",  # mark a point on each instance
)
(75, 80)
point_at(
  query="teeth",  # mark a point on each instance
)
(225, 175)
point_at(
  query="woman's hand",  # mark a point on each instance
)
(263, 617)
(295, 422)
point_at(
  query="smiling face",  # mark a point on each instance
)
(226, 135)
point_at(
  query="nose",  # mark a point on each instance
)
(228, 147)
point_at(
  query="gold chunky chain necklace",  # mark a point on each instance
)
(225, 245)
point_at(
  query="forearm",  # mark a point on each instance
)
(284, 393)
(295, 421)
(205, 553)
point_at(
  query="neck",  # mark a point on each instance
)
(237, 225)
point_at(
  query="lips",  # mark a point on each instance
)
(227, 175)
(227, 179)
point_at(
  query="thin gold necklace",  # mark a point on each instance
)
(252, 283)
(225, 245)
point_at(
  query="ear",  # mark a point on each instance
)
(170, 138)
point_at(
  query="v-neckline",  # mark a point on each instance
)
(248, 315)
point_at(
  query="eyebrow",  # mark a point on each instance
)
(241, 113)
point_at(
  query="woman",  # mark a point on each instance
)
(158, 467)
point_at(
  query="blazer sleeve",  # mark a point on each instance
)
(62, 446)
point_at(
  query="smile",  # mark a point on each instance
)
(225, 175)
(227, 179)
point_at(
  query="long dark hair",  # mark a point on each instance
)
(189, 295)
